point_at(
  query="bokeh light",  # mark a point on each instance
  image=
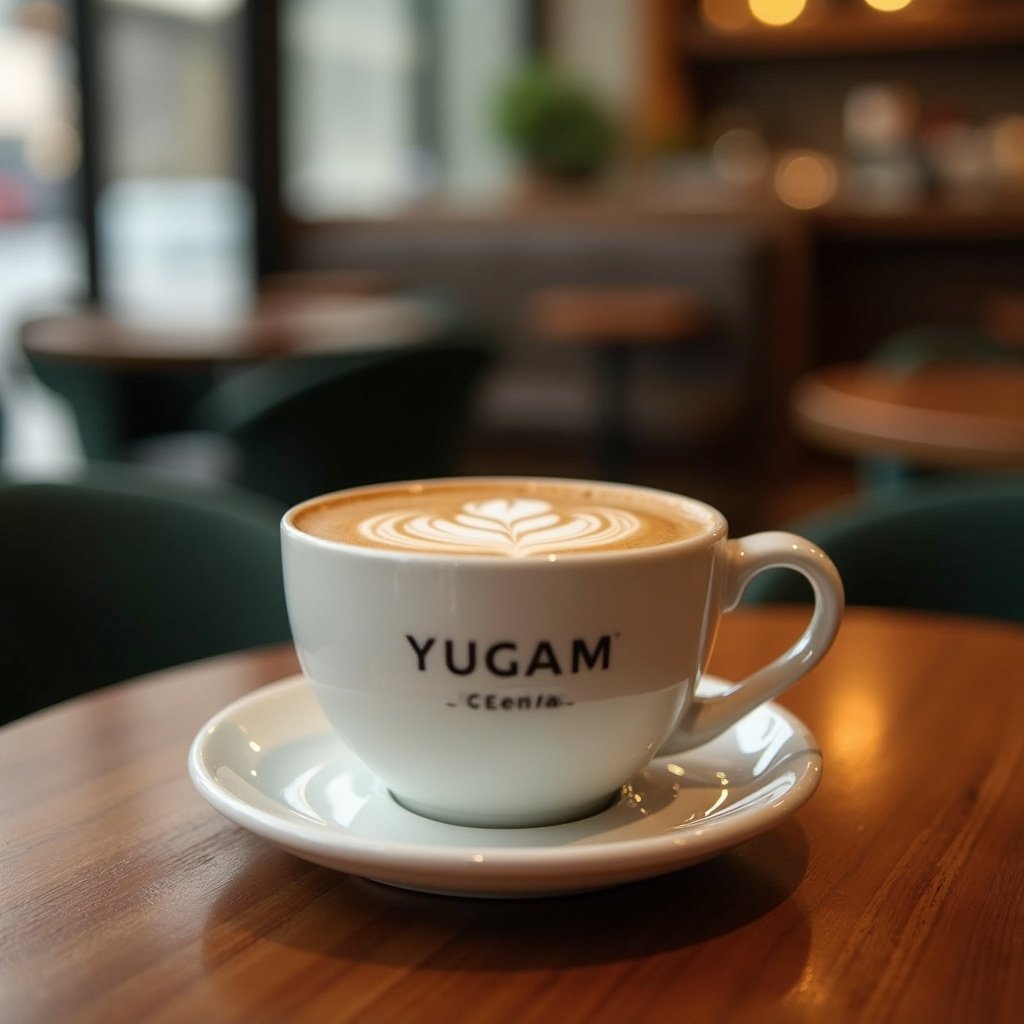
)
(805, 179)
(740, 157)
(726, 15)
(777, 12)
(888, 5)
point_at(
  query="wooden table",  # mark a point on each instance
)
(943, 416)
(129, 379)
(280, 322)
(895, 895)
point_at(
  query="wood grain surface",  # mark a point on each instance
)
(945, 415)
(280, 323)
(895, 895)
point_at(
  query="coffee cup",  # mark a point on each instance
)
(508, 652)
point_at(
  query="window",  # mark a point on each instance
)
(387, 103)
(174, 215)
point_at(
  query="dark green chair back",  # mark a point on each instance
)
(916, 347)
(115, 407)
(952, 546)
(118, 574)
(308, 425)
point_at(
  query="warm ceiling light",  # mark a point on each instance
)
(726, 15)
(777, 12)
(805, 180)
(888, 5)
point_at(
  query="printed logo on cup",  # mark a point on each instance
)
(505, 658)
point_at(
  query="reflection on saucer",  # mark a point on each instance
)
(271, 763)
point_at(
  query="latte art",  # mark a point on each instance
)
(503, 518)
(515, 527)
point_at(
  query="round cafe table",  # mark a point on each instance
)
(895, 895)
(279, 323)
(942, 416)
(132, 378)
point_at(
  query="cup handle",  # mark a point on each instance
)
(707, 717)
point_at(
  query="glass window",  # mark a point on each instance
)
(389, 102)
(174, 209)
(42, 252)
(39, 142)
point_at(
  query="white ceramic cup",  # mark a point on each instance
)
(511, 690)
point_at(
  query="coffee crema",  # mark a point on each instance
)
(515, 519)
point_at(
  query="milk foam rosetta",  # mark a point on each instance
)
(502, 526)
(494, 519)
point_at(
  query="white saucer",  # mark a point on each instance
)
(271, 763)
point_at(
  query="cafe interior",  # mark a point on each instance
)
(767, 253)
(655, 220)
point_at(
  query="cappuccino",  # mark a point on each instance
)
(506, 653)
(504, 518)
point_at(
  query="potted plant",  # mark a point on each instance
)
(557, 128)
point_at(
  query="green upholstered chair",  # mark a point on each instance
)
(94, 398)
(116, 574)
(115, 407)
(952, 546)
(916, 347)
(306, 425)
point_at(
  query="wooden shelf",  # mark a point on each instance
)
(932, 222)
(645, 207)
(860, 30)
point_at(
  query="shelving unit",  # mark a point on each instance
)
(874, 271)
(932, 221)
(857, 29)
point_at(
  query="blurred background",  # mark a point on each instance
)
(661, 214)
